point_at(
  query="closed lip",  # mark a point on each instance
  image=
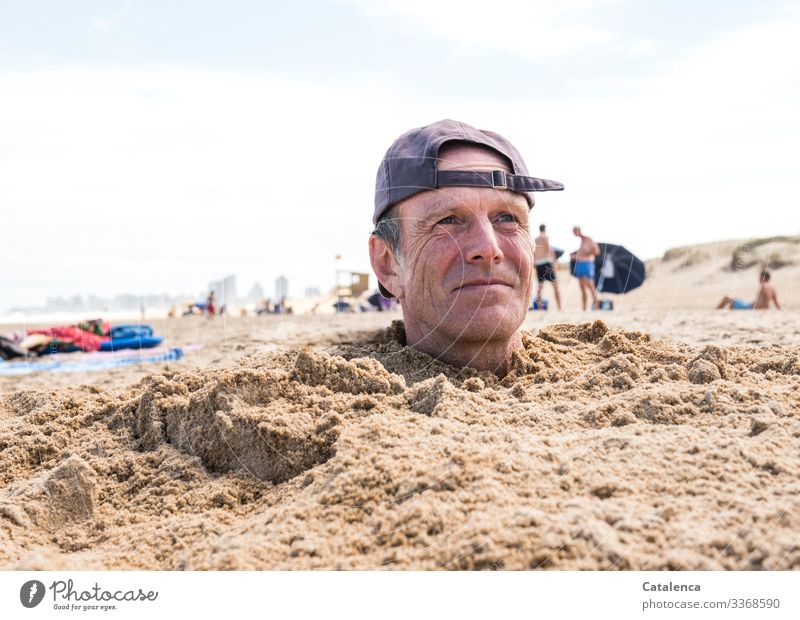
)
(483, 282)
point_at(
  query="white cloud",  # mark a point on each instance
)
(107, 25)
(531, 28)
(100, 25)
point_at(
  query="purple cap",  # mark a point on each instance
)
(409, 167)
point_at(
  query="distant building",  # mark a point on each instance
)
(69, 304)
(101, 305)
(256, 293)
(125, 301)
(96, 303)
(224, 290)
(312, 291)
(281, 288)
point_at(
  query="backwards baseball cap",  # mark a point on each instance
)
(409, 167)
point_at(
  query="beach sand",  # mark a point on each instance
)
(662, 435)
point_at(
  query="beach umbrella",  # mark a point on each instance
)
(616, 270)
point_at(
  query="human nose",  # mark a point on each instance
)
(482, 243)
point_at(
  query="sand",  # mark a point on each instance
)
(664, 436)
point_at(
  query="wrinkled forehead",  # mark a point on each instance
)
(473, 199)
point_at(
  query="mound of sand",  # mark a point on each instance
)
(697, 277)
(772, 253)
(602, 449)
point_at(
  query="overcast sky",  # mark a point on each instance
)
(155, 146)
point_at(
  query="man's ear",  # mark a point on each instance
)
(385, 266)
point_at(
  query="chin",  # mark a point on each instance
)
(494, 322)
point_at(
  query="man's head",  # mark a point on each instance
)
(576, 230)
(764, 276)
(541, 228)
(452, 243)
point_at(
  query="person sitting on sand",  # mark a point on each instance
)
(584, 266)
(452, 242)
(766, 295)
(544, 258)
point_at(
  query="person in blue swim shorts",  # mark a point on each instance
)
(584, 267)
(767, 295)
(544, 258)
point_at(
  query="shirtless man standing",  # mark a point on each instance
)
(544, 258)
(584, 266)
(766, 295)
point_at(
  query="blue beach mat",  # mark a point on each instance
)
(131, 336)
(89, 362)
(134, 342)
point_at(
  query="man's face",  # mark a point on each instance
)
(467, 256)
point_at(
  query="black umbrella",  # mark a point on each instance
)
(616, 270)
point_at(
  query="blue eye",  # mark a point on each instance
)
(450, 219)
(507, 217)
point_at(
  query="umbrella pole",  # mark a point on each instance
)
(599, 288)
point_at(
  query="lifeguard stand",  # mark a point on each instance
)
(350, 284)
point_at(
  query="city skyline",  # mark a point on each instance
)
(154, 300)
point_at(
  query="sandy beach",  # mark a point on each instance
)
(660, 435)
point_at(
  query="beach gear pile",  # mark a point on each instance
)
(89, 336)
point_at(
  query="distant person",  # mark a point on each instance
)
(544, 258)
(281, 307)
(374, 300)
(210, 310)
(766, 295)
(584, 266)
(379, 302)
